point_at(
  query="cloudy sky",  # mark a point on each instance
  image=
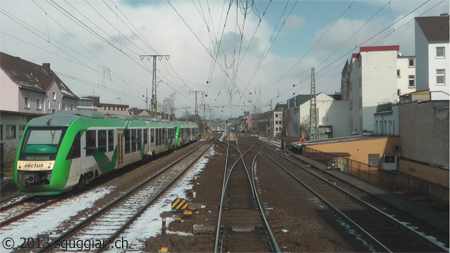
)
(235, 55)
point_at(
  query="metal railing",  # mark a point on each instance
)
(389, 180)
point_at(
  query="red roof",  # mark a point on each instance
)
(379, 48)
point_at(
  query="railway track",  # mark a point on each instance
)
(379, 229)
(110, 221)
(23, 208)
(241, 225)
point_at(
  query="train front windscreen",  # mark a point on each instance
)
(41, 144)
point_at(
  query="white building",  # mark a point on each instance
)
(406, 75)
(276, 120)
(368, 80)
(386, 120)
(332, 115)
(432, 55)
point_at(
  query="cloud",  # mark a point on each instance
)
(294, 22)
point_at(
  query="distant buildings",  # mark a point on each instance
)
(104, 108)
(332, 116)
(276, 120)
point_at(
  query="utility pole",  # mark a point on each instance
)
(154, 100)
(204, 116)
(196, 106)
(313, 135)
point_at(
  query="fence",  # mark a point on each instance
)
(6, 169)
(389, 180)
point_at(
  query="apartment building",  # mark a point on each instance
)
(432, 54)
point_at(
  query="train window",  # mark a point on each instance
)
(133, 140)
(101, 141)
(75, 150)
(127, 141)
(145, 136)
(157, 136)
(152, 131)
(110, 140)
(90, 142)
(139, 139)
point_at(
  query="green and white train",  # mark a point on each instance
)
(60, 151)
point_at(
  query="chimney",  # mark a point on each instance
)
(46, 67)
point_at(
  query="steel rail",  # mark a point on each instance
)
(373, 239)
(266, 222)
(222, 196)
(395, 222)
(151, 201)
(16, 203)
(82, 224)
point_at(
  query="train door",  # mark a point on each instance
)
(119, 148)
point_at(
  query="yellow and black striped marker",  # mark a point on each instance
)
(179, 204)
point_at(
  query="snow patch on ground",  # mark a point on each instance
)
(149, 223)
(50, 218)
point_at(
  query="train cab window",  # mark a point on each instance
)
(127, 141)
(133, 140)
(101, 141)
(139, 139)
(110, 140)
(145, 136)
(90, 142)
(75, 150)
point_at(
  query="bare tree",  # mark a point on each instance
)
(305, 128)
(168, 106)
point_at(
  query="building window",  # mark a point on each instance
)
(440, 52)
(411, 81)
(399, 92)
(64, 107)
(38, 104)
(48, 107)
(21, 129)
(398, 73)
(374, 160)
(71, 107)
(10, 132)
(27, 102)
(389, 159)
(411, 62)
(54, 96)
(440, 76)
